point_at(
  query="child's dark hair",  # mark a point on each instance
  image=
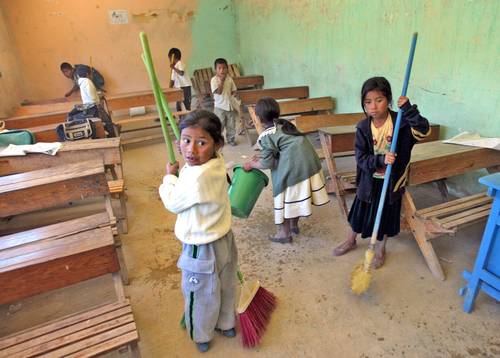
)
(66, 66)
(220, 61)
(376, 84)
(174, 51)
(268, 111)
(207, 121)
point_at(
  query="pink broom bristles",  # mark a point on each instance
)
(254, 320)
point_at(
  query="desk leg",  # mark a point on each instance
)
(418, 231)
(334, 180)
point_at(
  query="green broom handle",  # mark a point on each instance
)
(148, 62)
(159, 108)
(388, 170)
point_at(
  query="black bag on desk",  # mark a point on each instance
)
(82, 111)
(76, 129)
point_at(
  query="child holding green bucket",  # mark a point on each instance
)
(298, 181)
(198, 195)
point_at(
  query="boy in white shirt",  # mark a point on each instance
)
(180, 78)
(225, 104)
(89, 96)
(87, 87)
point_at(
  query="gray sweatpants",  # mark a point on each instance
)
(228, 121)
(209, 287)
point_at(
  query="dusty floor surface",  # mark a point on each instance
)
(406, 312)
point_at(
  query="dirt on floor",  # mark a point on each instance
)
(405, 313)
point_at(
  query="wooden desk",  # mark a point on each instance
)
(108, 149)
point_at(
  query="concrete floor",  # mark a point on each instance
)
(406, 312)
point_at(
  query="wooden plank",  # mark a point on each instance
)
(458, 207)
(73, 333)
(142, 139)
(129, 330)
(428, 158)
(106, 149)
(311, 123)
(464, 214)
(60, 272)
(35, 120)
(45, 250)
(116, 186)
(50, 191)
(114, 101)
(45, 176)
(470, 218)
(424, 211)
(141, 98)
(306, 105)
(48, 328)
(244, 82)
(148, 117)
(54, 231)
(252, 96)
(108, 345)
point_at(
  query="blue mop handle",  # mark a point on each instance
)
(395, 134)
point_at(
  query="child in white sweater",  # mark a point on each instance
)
(198, 195)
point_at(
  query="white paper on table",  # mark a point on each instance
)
(474, 140)
(19, 150)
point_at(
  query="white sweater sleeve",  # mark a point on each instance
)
(177, 197)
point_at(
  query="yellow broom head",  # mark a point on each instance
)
(248, 292)
(361, 276)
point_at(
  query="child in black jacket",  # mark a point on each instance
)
(373, 141)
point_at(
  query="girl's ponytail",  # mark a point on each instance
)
(288, 127)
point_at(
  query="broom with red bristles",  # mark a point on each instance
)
(254, 311)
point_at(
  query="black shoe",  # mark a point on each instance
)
(202, 347)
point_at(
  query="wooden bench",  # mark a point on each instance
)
(249, 82)
(113, 101)
(311, 123)
(298, 107)
(107, 150)
(55, 256)
(447, 217)
(85, 334)
(57, 186)
(250, 97)
(35, 120)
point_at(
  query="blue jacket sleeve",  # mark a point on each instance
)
(420, 128)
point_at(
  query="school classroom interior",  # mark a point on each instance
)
(88, 255)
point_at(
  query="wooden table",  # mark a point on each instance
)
(430, 162)
(340, 139)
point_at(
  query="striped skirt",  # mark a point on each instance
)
(297, 200)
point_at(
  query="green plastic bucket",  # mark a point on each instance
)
(245, 190)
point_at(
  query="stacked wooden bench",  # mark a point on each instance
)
(86, 334)
(201, 80)
(107, 149)
(62, 253)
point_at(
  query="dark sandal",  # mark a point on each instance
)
(281, 240)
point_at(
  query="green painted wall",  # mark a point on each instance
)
(213, 34)
(333, 46)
